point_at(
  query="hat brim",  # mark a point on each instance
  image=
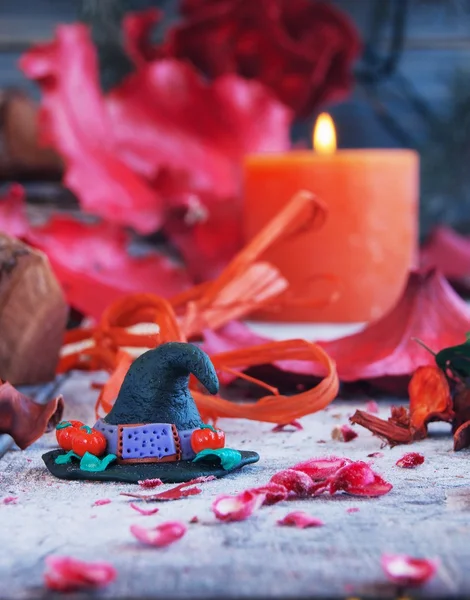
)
(169, 472)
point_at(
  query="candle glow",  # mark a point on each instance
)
(324, 135)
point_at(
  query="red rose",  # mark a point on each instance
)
(302, 49)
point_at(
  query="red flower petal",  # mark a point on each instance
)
(410, 460)
(344, 433)
(101, 502)
(66, 574)
(143, 511)
(237, 508)
(93, 265)
(429, 310)
(296, 482)
(161, 535)
(320, 469)
(372, 407)
(282, 427)
(13, 219)
(187, 488)
(79, 128)
(10, 500)
(407, 571)
(447, 251)
(273, 493)
(375, 455)
(137, 28)
(358, 479)
(353, 509)
(194, 519)
(150, 483)
(300, 519)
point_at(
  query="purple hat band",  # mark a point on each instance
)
(148, 442)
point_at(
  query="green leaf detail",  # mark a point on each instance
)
(66, 458)
(229, 458)
(86, 428)
(211, 427)
(63, 425)
(455, 359)
(93, 464)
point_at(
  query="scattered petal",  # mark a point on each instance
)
(282, 427)
(320, 469)
(353, 509)
(101, 502)
(296, 482)
(410, 460)
(146, 512)
(10, 500)
(358, 479)
(372, 407)
(150, 483)
(273, 493)
(194, 519)
(161, 535)
(237, 508)
(405, 570)
(375, 455)
(180, 491)
(66, 574)
(13, 219)
(301, 520)
(344, 433)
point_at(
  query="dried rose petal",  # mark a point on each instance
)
(273, 493)
(410, 460)
(343, 433)
(300, 519)
(372, 407)
(282, 427)
(161, 535)
(375, 455)
(353, 509)
(180, 491)
(146, 512)
(66, 574)
(358, 479)
(101, 502)
(405, 570)
(319, 469)
(296, 482)
(150, 483)
(10, 500)
(194, 519)
(237, 508)
(430, 398)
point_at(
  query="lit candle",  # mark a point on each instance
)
(370, 238)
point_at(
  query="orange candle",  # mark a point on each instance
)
(370, 238)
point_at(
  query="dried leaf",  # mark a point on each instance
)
(67, 574)
(161, 535)
(430, 398)
(396, 430)
(321, 469)
(23, 419)
(405, 570)
(300, 519)
(237, 508)
(343, 433)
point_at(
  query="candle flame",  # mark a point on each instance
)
(324, 135)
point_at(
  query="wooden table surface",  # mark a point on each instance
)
(426, 514)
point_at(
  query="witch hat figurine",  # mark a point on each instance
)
(154, 429)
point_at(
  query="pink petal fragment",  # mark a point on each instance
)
(300, 519)
(143, 511)
(292, 424)
(161, 535)
(405, 570)
(101, 502)
(344, 433)
(296, 482)
(13, 219)
(353, 509)
(273, 493)
(375, 455)
(410, 460)
(180, 491)
(66, 574)
(194, 519)
(358, 479)
(372, 407)
(322, 468)
(150, 483)
(237, 508)
(10, 500)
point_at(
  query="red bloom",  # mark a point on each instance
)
(300, 519)
(66, 574)
(302, 50)
(410, 460)
(408, 571)
(161, 535)
(358, 479)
